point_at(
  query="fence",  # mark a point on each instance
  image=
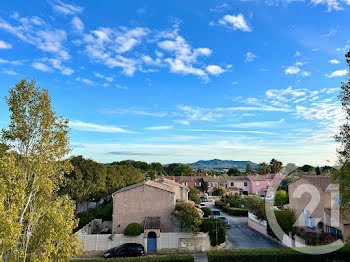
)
(256, 224)
(180, 241)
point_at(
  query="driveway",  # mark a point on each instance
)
(242, 236)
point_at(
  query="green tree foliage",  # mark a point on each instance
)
(183, 170)
(286, 181)
(150, 170)
(187, 217)
(234, 172)
(255, 205)
(91, 180)
(216, 229)
(343, 176)
(133, 229)
(220, 191)
(35, 223)
(206, 211)
(194, 195)
(170, 169)
(306, 169)
(318, 170)
(248, 169)
(281, 198)
(275, 166)
(264, 169)
(286, 219)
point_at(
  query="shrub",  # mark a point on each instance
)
(133, 229)
(216, 228)
(241, 212)
(220, 191)
(219, 204)
(235, 203)
(193, 195)
(206, 211)
(275, 255)
(281, 198)
(172, 258)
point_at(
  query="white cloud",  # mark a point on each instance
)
(77, 24)
(334, 61)
(4, 45)
(57, 64)
(250, 57)
(91, 127)
(235, 22)
(66, 9)
(85, 81)
(42, 67)
(13, 62)
(337, 73)
(331, 4)
(330, 33)
(262, 124)
(159, 127)
(9, 72)
(232, 131)
(132, 112)
(215, 69)
(296, 70)
(107, 78)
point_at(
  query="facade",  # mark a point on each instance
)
(147, 199)
(261, 183)
(181, 191)
(233, 184)
(318, 217)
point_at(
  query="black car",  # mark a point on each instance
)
(225, 220)
(126, 250)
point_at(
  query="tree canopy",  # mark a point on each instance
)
(194, 195)
(234, 172)
(187, 217)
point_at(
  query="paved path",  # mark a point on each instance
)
(242, 236)
(200, 257)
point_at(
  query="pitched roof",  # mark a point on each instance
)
(147, 183)
(259, 177)
(189, 178)
(170, 181)
(322, 182)
(152, 223)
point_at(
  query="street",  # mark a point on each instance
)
(242, 236)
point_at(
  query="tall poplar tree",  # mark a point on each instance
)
(35, 223)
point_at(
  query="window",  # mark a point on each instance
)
(210, 184)
(257, 183)
(185, 184)
(268, 183)
(198, 184)
(232, 183)
(245, 183)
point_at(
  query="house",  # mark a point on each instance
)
(261, 183)
(323, 215)
(148, 201)
(181, 191)
(233, 184)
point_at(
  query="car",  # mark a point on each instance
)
(225, 220)
(203, 205)
(203, 199)
(215, 212)
(126, 250)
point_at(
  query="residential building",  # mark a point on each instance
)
(181, 191)
(233, 184)
(317, 217)
(193, 181)
(261, 183)
(145, 201)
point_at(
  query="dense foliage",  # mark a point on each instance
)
(133, 229)
(281, 198)
(286, 219)
(36, 224)
(193, 195)
(103, 211)
(206, 211)
(234, 172)
(220, 191)
(275, 255)
(187, 217)
(216, 229)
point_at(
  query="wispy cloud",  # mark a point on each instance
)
(334, 61)
(91, 127)
(250, 57)
(42, 67)
(4, 45)
(296, 70)
(262, 124)
(158, 127)
(132, 111)
(337, 73)
(77, 24)
(231, 131)
(85, 81)
(64, 8)
(9, 72)
(235, 22)
(130, 153)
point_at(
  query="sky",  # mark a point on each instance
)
(179, 81)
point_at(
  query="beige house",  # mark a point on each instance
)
(317, 217)
(181, 191)
(233, 184)
(145, 201)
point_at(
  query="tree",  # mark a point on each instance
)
(170, 169)
(220, 191)
(183, 170)
(206, 211)
(264, 169)
(234, 172)
(281, 198)
(343, 176)
(286, 181)
(187, 217)
(193, 195)
(216, 228)
(248, 169)
(255, 205)
(306, 168)
(35, 222)
(318, 171)
(275, 166)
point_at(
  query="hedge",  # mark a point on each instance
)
(275, 255)
(175, 258)
(231, 210)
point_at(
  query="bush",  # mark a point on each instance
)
(174, 258)
(219, 204)
(193, 195)
(241, 212)
(211, 226)
(187, 217)
(235, 203)
(275, 255)
(206, 211)
(281, 198)
(133, 229)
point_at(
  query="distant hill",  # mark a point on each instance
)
(217, 164)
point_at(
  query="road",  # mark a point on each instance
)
(242, 236)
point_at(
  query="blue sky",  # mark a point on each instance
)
(179, 81)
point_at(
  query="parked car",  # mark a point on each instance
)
(105, 230)
(225, 220)
(215, 212)
(203, 205)
(204, 199)
(126, 250)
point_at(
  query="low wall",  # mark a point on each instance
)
(256, 224)
(177, 241)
